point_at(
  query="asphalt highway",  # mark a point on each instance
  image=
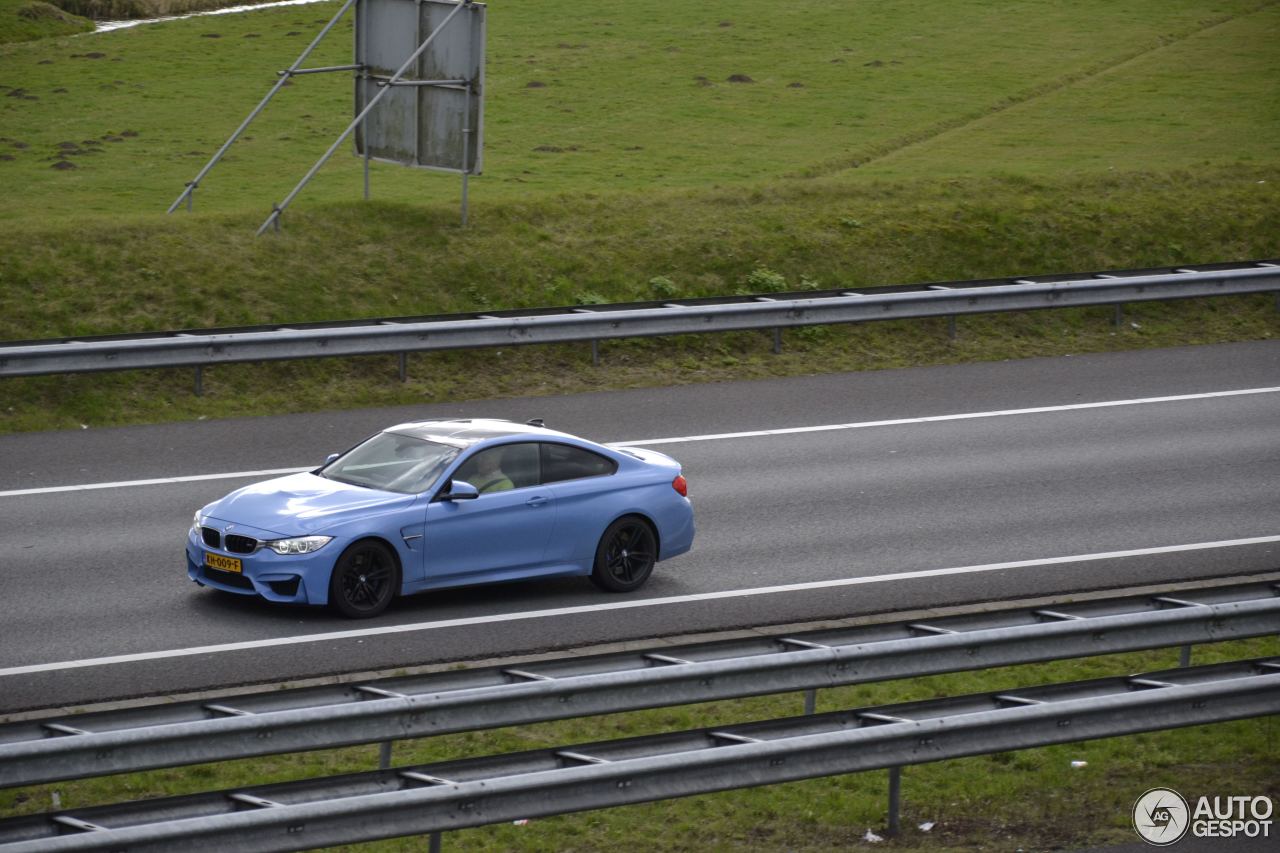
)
(816, 497)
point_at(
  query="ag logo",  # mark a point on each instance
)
(1161, 816)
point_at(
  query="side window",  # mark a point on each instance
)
(497, 469)
(564, 462)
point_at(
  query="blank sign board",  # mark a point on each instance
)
(433, 117)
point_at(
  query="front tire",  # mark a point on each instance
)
(625, 556)
(364, 580)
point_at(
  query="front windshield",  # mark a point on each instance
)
(392, 463)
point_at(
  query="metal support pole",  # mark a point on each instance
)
(1184, 657)
(466, 139)
(595, 353)
(417, 72)
(433, 844)
(362, 32)
(384, 755)
(274, 218)
(284, 78)
(895, 800)
(811, 700)
(404, 367)
(302, 71)
(1117, 319)
(951, 327)
(777, 340)
(365, 131)
(464, 196)
(199, 380)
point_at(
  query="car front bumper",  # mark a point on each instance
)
(291, 579)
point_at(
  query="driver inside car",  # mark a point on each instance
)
(488, 474)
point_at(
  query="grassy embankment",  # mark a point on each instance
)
(30, 20)
(621, 163)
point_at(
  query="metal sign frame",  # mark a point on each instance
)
(444, 89)
(433, 117)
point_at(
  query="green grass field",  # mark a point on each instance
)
(635, 96)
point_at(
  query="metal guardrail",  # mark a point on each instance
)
(478, 791)
(54, 748)
(200, 348)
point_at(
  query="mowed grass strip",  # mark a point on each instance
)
(1031, 799)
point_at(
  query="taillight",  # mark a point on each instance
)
(681, 485)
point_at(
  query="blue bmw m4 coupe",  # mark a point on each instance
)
(445, 503)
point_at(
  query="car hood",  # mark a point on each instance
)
(302, 503)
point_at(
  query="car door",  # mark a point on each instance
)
(501, 534)
(585, 487)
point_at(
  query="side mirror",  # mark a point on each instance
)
(459, 490)
(331, 457)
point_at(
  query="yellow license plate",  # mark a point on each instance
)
(226, 564)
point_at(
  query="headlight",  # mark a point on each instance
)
(195, 525)
(301, 545)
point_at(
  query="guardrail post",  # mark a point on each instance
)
(895, 800)
(384, 755)
(1117, 318)
(595, 353)
(777, 340)
(433, 845)
(810, 700)
(951, 327)
(1184, 658)
(199, 380)
(404, 367)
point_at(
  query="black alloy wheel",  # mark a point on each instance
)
(364, 580)
(625, 556)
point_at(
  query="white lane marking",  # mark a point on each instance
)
(938, 418)
(158, 481)
(44, 490)
(250, 645)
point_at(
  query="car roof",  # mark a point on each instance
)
(464, 432)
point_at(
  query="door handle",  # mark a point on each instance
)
(536, 501)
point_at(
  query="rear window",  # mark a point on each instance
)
(564, 462)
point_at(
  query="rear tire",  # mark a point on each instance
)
(364, 580)
(625, 556)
